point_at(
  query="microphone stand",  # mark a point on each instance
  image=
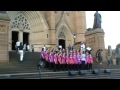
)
(39, 68)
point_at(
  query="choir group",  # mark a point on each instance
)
(67, 60)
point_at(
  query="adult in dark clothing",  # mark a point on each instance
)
(99, 56)
(69, 47)
(32, 48)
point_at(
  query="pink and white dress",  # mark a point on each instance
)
(60, 59)
(74, 60)
(56, 59)
(90, 60)
(71, 60)
(63, 60)
(51, 58)
(78, 59)
(87, 59)
(46, 56)
(67, 59)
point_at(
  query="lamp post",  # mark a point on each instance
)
(74, 38)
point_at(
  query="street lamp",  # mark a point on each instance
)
(74, 38)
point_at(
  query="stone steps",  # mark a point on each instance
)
(28, 69)
(62, 75)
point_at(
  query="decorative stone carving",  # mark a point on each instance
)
(2, 28)
(21, 23)
(61, 35)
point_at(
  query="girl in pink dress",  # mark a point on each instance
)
(71, 62)
(87, 61)
(47, 58)
(63, 61)
(51, 60)
(78, 61)
(46, 55)
(90, 62)
(55, 61)
(74, 62)
(67, 61)
(59, 61)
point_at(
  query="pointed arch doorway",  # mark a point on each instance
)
(19, 30)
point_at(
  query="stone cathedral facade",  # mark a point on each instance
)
(49, 28)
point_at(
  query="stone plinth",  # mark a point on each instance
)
(95, 40)
(4, 24)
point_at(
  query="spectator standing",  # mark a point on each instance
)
(28, 48)
(44, 48)
(17, 45)
(32, 48)
(69, 48)
(20, 49)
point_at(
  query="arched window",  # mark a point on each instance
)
(20, 22)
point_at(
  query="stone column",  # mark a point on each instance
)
(80, 25)
(4, 55)
(10, 40)
(21, 36)
(51, 32)
(4, 24)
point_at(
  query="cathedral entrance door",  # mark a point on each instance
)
(14, 39)
(25, 38)
(62, 43)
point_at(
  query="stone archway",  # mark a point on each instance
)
(20, 29)
(65, 34)
(37, 28)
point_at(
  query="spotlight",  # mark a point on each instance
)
(72, 73)
(82, 72)
(107, 71)
(95, 71)
(41, 64)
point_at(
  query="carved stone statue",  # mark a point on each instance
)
(97, 20)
